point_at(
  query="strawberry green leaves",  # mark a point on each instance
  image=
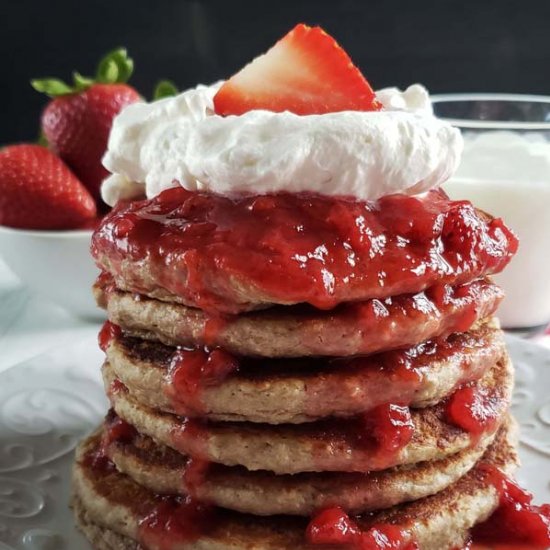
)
(115, 68)
(164, 88)
(51, 86)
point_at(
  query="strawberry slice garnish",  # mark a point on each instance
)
(306, 73)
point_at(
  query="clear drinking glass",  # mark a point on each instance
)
(505, 170)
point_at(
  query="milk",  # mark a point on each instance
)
(508, 175)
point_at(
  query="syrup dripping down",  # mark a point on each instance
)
(191, 372)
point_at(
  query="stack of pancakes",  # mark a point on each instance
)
(236, 421)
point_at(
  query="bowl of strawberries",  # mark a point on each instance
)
(50, 198)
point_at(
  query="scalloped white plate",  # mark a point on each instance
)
(49, 403)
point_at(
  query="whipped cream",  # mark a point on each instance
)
(366, 155)
(414, 99)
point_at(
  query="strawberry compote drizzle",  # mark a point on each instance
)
(383, 432)
(474, 408)
(194, 475)
(333, 526)
(299, 248)
(517, 522)
(116, 387)
(190, 437)
(381, 378)
(392, 428)
(109, 332)
(105, 281)
(191, 372)
(172, 521)
(114, 430)
(213, 327)
(397, 375)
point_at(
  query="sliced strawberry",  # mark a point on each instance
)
(306, 72)
(38, 191)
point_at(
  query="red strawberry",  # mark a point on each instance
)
(38, 191)
(306, 72)
(77, 122)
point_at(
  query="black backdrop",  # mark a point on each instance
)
(467, 45)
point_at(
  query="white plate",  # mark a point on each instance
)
(49, 403)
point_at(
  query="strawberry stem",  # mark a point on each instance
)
(81, 82)
(164, 88)
(115, 68)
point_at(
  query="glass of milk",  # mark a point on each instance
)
(505, 170)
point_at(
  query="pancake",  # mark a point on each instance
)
(163, 470)
(351, 329)
(232, 255)
(110, 507)
(295, 391)
(332, 445)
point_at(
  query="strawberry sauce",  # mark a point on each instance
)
(116, 387)
(114, 429)
(517, 522)
(396, 376)
(333, 526)
(377, 324)
(381, 434)
(194, 475)
(190, 437)
(474, 408)
(173, 521)
(109, 332)
(391, 427)
(191, 372)
(352, 384)
(213, 327)
(295, 248)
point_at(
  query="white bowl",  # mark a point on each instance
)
(55, 264)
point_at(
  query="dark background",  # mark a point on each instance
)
(467, 45)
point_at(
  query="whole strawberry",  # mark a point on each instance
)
(77, 122)
(39, 191)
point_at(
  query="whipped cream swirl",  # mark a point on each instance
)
(365, 155)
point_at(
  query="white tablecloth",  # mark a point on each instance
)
(30, 325)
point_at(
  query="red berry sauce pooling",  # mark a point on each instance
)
(191, 372)
(334, 527)
(517, 522)
(296, 248)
